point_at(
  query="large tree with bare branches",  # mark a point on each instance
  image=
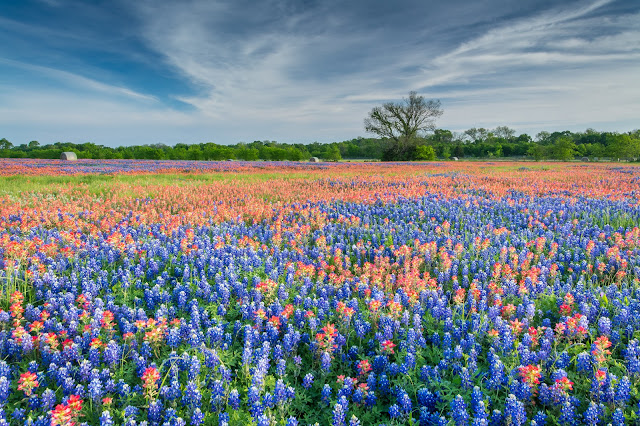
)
(403, 122)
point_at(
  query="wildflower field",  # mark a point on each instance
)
(232, 293)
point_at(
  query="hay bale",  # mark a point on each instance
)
(454, 158)
(69, 156)
(314, 160)
(585, 158)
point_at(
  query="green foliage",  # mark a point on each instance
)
(425, 153)
(5, 144)
(333, 153)
(446, 153)
(247, 154)
(563, 149)
(473, 143)
(537, 152)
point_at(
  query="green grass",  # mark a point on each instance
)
(100, 184)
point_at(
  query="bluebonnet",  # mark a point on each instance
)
(394, 411)
(18, 414)
(112, 353)
(5, 389)
(106, 419)
(404, 401)
(514, 411)
(623, 390)
(155, 411)
(480, 415)
(592, 414)
(217, 394)
(496, 419)
(584, 362)
(358, 396)
(95, 390)
(459, 411)
(339, 412)
(253, 395)
(540, 418)
(325, 361)
(354, 421)
(197, 417)
(307, 381)
(618, 418)
(223, 419)
(604, 325)
(632, 357)
(194, 368)
(326, 393)
(131, 411)
(567, 414)
(234, 399)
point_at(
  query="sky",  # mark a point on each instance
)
(163, 71)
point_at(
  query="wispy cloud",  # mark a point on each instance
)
(267, 75)
(52, 3)
(563, 67)
(78, 82)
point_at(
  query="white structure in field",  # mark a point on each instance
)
(69, 156)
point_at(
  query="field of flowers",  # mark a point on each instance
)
(298, 294)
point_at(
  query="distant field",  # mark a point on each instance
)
(294, 293)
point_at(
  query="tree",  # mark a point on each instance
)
(543, 137)
(477, 135)
(333, 153)
(425, 153)
(403, 122)
(623, 146)
(5, 144)
(504, 132)
(563, 149)
(443, 136)
(536, 151)
(248, 154)
(498, 152)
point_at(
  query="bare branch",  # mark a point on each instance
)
(403, 120)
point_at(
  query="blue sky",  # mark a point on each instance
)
(154, 71)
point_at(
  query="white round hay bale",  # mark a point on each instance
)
(69, 156)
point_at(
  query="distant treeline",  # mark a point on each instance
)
(442, 144)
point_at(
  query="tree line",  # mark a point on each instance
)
(406, 131)
(257, 150)
(475, 143)
(408, 124)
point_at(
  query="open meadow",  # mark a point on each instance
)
(237, 293)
